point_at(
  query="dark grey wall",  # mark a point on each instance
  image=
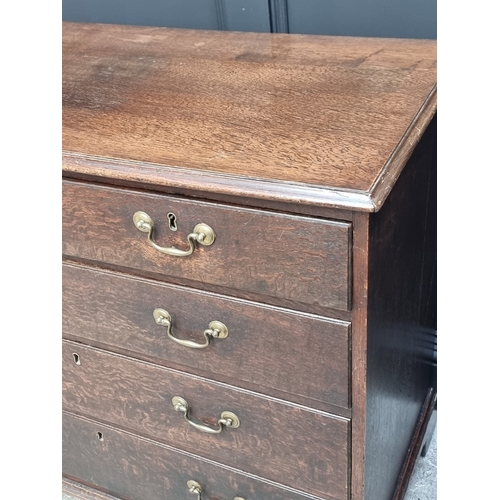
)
(383, 18)
(238, 15)
(380, 18)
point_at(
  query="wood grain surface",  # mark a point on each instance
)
(134, 468)
(282, 144)
(400, 371)
(424, 428)
(74, 490)
(359, 341)
(296, 258)
(329, 112)
(278, 441)
(299, 357)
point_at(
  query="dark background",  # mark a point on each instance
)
(379, 18)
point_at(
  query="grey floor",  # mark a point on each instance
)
(423, 483)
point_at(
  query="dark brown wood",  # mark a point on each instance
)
(359, 341)
(76, 490)
(399, 356)
(192, 184)
(116, 311)
(213, 185)
(261, 252)
(314, 309)
(314, 160)
(417, 441)
(235, 110)
(134, 467)
(279, 441)
(388, 176)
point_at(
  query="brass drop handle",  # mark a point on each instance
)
(216, 330)
(195, 488)
(202, 234)
(227, 418)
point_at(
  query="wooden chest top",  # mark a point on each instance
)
(332, 119)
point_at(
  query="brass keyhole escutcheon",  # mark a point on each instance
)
(172, 221)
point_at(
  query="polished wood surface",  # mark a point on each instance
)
(161, 472)
(314, 160)
(276, 440)
(267, 254)
(359, 340)
(399, 356)
(115, 311)
(422, 435)
(75, 489)
(337, 117)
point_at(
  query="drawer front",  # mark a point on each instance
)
(138, 469)
(304, 358)
(299, 448)
(297, 259)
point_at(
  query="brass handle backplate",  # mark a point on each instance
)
(195, 488)
(227, 418)
(202, 234)
(216, 330)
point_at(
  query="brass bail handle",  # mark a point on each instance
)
(227, 418)
(202, 234)
(195, 488)
(216, 330)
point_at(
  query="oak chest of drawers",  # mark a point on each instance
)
(248, 263)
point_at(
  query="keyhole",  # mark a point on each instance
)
(76, 358)
(172, 221)
(100, 437)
